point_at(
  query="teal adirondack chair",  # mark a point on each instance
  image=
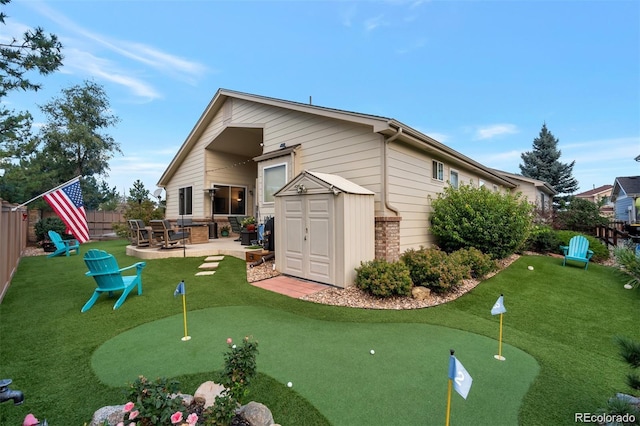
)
(63, 246)
(103, 267)
(578, 249)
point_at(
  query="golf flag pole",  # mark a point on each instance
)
(498, 308)
(181, 290)
(459, 379)
(449, 394)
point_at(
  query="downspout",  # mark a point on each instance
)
(385, 174)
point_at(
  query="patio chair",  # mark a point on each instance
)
(62, 246)
(165, 234)
(104, 269)
(578, 250)
(236, 227)
(140, 235)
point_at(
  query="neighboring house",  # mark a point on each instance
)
(626, 198)
(248, 147)
(600, 195)
(537, 192)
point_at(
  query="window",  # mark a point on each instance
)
(438, 170)
(543, 202)
(230, 200)
(185, 198)
(480, 183)
(274, 178)
(453, 179)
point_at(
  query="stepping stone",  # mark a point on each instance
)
(199, 274)
(210, 265)
(214, 258)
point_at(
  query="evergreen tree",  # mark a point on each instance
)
(543, 164)
(138, 193)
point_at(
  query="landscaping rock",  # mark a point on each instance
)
(256, 414)
(112, 414)
(420, 293)
(207, 392)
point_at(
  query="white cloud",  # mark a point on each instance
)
(373, 23)
(494, 130)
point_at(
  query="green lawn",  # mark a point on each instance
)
(560, 324)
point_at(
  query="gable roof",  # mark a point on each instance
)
(594, 191)
(629, 185)
(540, 184)
(385, 126)
(325, 180)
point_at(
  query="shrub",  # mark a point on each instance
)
(629, 263)
(600, 250)
(494, 223)
(479, 263)
(383, 279)
(543, 239)
(434, 269)
(43, 226)
(153, 401)
(580, 215)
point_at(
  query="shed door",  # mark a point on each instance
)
(309, 237)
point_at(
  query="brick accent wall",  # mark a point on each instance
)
(387, 238)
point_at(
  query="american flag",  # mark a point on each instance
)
(66, 201)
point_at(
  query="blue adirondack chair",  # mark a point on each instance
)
(63, 246)
(578, 249)
(103, 267)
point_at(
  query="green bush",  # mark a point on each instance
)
(383, 279)
(43, 226)
(600, 250)
(479, 263)
(435, 269)
(580, 215)
(153, 400)
(495, 223)
(543, 239)
(629, 263)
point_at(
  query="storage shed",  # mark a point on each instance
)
(324, 228)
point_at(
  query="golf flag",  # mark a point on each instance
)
(498, 307)
(66, 201)
(179, 289)
(460, 377)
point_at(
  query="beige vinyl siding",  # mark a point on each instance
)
(329, 146)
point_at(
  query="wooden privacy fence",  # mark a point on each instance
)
(99, 222)
(13, 240)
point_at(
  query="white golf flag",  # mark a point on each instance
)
(498, 307)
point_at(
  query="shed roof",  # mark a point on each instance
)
(329, 181)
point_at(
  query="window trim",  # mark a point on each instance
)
(230, 186)
(264, 180)
(451, 172)
(185, 200)
(437, 170)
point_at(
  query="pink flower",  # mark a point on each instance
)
(192, 419)
(133, 414)
(229, 341)
(30, 420)
(128, 406)
(176, 417)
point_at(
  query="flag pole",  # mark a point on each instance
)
(449, 396)
(184, 310)
(44, 193)
(499, 357)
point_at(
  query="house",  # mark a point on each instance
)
(244, 148)
(537, 192)
(601, 196)
(626, 198)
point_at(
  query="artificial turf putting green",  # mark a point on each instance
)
(329, 363)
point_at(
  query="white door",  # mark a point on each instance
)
(319, 242)
(309, 240)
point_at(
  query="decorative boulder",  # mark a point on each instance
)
(420, 293)
(256, 414)
(207, 392)
(111, 414)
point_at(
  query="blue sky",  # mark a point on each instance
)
(479, 76)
